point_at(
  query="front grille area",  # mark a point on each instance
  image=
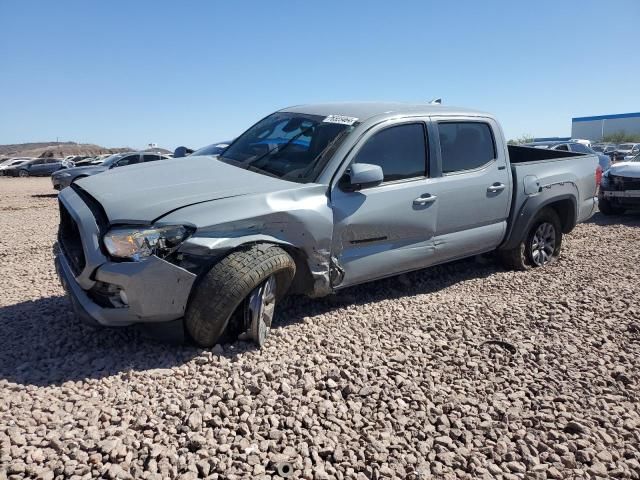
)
(624, 183)
(70, 240)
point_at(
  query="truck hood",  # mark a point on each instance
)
(626, 169)
(141, 194)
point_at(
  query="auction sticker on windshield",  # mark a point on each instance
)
(341, 119)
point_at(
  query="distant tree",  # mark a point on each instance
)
(525, 138)
(621, 137)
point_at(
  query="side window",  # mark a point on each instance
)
(465, 145)
(130, 160)
(579, 148)
(151, 158)
(38, 162)
(400, 151)
(562, 147)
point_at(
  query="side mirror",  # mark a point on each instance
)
(363, 175)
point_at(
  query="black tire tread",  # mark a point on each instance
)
(517, 258)
(228, 283)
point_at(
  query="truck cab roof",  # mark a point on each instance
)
(366, 110)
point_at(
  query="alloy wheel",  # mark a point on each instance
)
(261, 306)
(543, 244)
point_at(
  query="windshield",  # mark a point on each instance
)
(597, 148)
(291, 146)
(625, 146)
(215, 149)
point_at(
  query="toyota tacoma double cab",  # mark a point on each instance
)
(310, 200)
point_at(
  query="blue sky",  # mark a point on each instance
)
(128, 73)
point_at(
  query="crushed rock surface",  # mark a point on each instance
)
(460, 371)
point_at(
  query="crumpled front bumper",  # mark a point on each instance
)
(157, 291)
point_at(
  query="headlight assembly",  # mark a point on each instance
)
(139, 243)
(605, 179)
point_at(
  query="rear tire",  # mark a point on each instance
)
(607, 208)
(224, 288)
(540, 246)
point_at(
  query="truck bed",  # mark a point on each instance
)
(543, 176)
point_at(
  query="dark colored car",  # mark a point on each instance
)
(63, 179)
(626, 151)
(603, 160)
(213, 149)
(38, 167)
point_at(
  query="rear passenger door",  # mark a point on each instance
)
(473, 186)
(37, 167)
(51, 165)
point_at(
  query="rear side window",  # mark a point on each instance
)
(151, 158)
(465, 145)
(130, 160)
(579, 148)
(400, 151)
(564, 148)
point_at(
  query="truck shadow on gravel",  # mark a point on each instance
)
(429, 280)
(44, 344)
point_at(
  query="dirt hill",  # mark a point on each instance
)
(55, 149)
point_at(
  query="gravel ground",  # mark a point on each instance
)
(390, 379)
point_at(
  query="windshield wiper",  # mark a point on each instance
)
(280, 149)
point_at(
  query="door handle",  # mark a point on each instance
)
(496, 187)
(425, 199)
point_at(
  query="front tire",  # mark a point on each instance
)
(23, 173)
(607, 208)
(540, 246)
(232, 281)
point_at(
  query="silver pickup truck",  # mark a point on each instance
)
(309, 200)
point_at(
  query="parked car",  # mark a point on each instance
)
(605, 149)
(213, 149)
(36, 167)
(620, 187)
(627, 150)
(65, 178)
(11, 162)
(311, 199)
(603, 160)
(585, 142)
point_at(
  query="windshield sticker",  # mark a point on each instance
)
(341, 119)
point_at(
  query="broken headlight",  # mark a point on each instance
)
(139, 243)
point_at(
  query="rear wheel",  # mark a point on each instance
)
(252, 280)
(23, 173)
(541, 245)
(608, 208)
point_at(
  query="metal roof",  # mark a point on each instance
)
(365, 110)
(606, 117)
